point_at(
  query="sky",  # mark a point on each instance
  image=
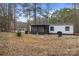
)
(53, 6)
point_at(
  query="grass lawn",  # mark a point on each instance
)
(38, 45)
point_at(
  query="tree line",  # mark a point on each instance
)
(36, 13)
(48, 15)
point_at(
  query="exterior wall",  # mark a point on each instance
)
(62, 29)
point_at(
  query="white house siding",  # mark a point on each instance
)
(62, 29)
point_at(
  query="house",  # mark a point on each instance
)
(64, 29)
(45, 29)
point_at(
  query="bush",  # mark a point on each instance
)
(19, 34)
(26, 32)
(59, 34)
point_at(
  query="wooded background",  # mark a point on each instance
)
(36, 14)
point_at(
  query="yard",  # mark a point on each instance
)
(38, 45)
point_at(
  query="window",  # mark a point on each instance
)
(51, 28)
(67, 28)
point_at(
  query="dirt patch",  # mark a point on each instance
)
(42, 45)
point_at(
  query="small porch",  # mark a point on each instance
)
(39, 29)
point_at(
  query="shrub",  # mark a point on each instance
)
(59, 34)
(19, 34)
(26, 32)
